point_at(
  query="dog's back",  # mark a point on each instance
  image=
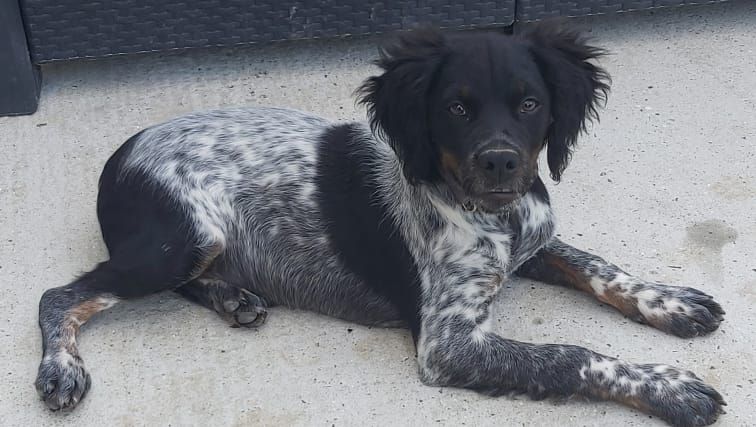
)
(247, 180)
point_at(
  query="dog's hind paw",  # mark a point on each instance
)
(244, 310)
(236, 305)
(62, 382)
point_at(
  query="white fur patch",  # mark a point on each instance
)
(598, 285)
(611, 377)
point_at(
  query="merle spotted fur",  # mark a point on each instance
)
(415, 220)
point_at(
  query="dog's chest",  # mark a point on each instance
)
(533, 226)
(493, 245)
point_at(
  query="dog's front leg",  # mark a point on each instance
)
(456, 348)
(685, 312)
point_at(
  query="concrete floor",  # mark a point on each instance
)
(664, 186)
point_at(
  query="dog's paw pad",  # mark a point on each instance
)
(247, 310)
(62, 381)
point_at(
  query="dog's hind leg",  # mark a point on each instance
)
(137, 268)
(62, 380)
(237, 306)
(155, 244)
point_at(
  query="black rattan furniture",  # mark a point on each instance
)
(19, 79)
(533, 10)
(55, 30)
(64, 29)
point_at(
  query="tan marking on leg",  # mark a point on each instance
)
(79, 315)
(618, 299)
(211, 253)
(566, 275)
(632, 401)
(612, 295)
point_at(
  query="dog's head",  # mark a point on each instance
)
(474, 110)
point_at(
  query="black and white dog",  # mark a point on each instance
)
(416, 220)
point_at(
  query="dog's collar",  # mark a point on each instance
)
(469, 206)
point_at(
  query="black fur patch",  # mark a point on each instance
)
(360, 228)
(148, 236)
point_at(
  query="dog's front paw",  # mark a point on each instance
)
(685, 312)
(678, 397)
(62, 380)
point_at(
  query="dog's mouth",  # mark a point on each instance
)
(502, 196)
(491, 201)
(472, 197)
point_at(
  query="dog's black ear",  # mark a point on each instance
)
(397, 99)
(577, 86)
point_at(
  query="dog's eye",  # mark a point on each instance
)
(529, 105)
(457, 109)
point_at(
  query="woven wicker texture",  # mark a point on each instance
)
(64, 29)
(531, 10)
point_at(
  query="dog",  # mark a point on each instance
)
(414, 219)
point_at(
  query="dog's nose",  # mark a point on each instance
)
(499, 164)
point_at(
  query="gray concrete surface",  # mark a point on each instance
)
(665, 186)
